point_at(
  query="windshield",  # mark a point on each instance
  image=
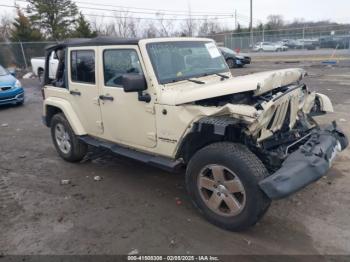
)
(3, 71)
(228, 50)
(176, 61)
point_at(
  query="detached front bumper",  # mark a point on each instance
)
(307, 164)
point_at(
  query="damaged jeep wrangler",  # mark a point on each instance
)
(173, 103)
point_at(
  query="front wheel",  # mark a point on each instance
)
(69, 147)
(222, 180)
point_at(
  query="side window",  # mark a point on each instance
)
(118, 62)
(83, 66)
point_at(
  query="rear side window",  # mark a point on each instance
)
(83, 66)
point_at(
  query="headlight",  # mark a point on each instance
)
(18, 84)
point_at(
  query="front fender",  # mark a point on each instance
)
(325, 103)
(68, 112)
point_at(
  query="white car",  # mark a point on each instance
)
(269, 46)
(38, 66)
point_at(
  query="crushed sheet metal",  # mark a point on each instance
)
(187, 92)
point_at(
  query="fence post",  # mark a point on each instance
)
(24, 56)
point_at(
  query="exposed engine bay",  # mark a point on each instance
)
(283, 120)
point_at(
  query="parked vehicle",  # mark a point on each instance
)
(11, 91)
(281, 47)
(293, 44)
(339, 42)
(38, 66)
(173, 103)
(269, 46)
(233, 59)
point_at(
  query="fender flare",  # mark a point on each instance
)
(325, 103)
(68, 112)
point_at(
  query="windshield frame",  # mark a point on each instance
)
(4, 70)
(184, 78)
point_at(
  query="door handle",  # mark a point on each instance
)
(75, 93)
(110, 98)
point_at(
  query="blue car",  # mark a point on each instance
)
(11, 91)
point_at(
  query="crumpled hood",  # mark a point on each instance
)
(186, 92)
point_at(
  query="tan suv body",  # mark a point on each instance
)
(172, 102)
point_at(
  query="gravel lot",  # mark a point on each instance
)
(140, 207)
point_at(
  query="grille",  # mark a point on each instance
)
(283, 115)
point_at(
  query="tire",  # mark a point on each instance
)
(231, 63)
(41, 76)
(237, 159)
(76, 150)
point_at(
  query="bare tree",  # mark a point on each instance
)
(166, 26)
(150, 31)
(5, 27)
(124, 25)
(275, 22)
(209, 27)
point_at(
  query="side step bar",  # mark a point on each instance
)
(157, 161)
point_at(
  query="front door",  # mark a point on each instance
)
(126, 120)
(83, 88)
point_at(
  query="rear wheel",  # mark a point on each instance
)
(69, 147)
(231, 63)
(41, 75)
(222, 180)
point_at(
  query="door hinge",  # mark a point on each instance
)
(96, 101)
(100, 125)
(150, 109)
(152, 136)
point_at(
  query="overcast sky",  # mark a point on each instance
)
(314, 10)
(336, 10)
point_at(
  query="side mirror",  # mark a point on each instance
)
(134, 83)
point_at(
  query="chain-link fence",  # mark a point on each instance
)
(19, 54)
(323, 37)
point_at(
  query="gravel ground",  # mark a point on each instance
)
(140, 207)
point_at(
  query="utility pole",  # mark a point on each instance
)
(235, 19)
(251, 23)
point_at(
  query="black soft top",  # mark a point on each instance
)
(97, 41)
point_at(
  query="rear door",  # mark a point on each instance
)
(83, 87)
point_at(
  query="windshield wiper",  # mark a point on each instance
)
(222, 76)
(196, 81)
(190, 80)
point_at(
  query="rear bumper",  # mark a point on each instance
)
(307, 164)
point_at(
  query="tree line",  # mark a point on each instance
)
(45, 20)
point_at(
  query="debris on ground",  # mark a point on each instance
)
(178, 201)
(342, 120)
(172, 243)
(65, 182)
(133, 252)
(248, 241)
(28, 75)
(4, 125)
(98, 178)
